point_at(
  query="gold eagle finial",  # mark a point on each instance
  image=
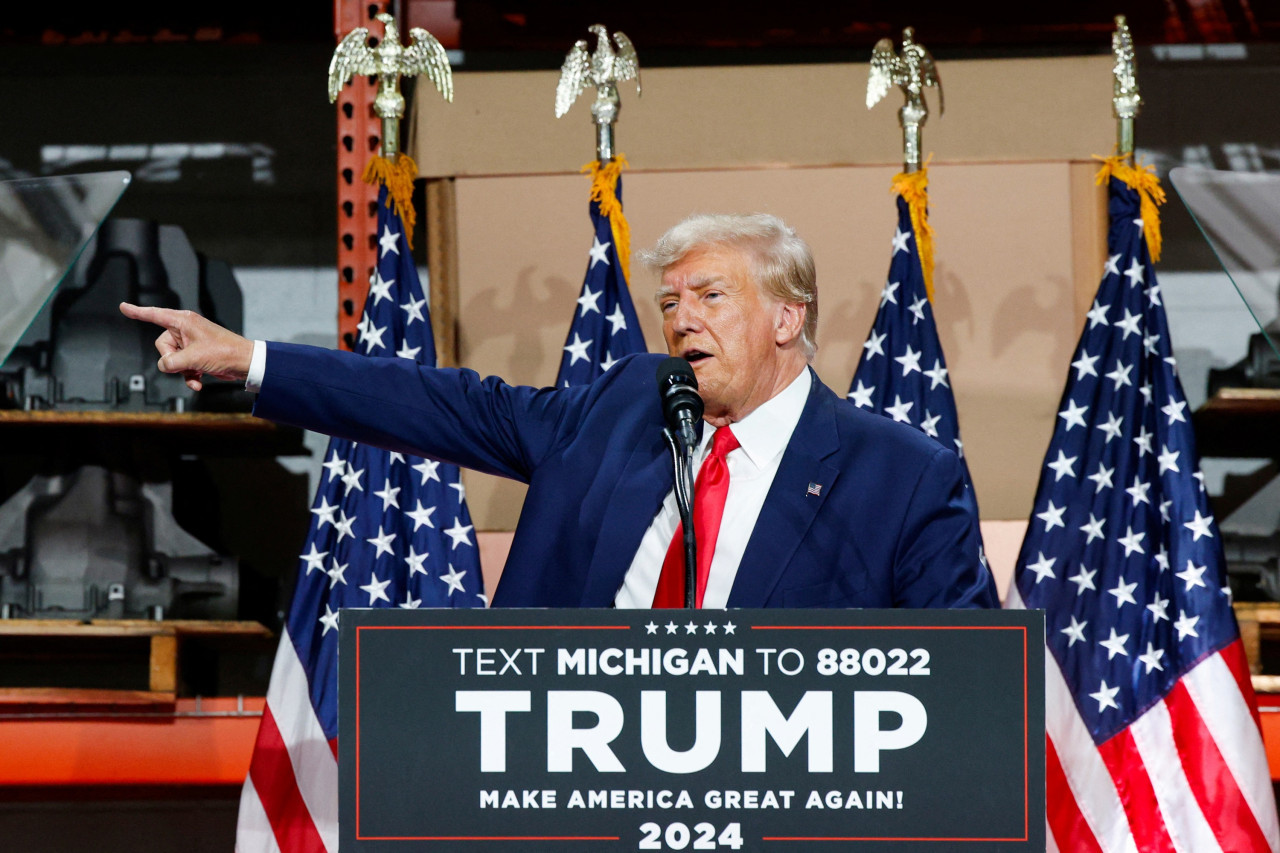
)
(604, 69)
(1125, 100)
(912, 71)
(390, 61)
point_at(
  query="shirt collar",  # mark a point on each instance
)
(764, 433)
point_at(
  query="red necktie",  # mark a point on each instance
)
(708, 508)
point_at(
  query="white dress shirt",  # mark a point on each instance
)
(257, 367)
(762, 437)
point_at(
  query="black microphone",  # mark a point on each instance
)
(681, 405)
(682, 409)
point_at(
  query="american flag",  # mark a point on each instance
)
(902, 373)
(1153, 738)
(387, 530)
(604, 326)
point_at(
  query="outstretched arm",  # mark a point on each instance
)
(194, 346)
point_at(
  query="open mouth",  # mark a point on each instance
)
(694, 356)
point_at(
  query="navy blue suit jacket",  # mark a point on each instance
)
(887, 528)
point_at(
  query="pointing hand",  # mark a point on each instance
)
(194, 346)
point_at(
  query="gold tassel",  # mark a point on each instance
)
(1141, 179)
(398, 179)
(913, 187)
(604, 180)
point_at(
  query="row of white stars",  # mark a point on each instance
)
(1130, 325)
(371, 335)
(428, 468)
(888, 295)
(333, 514)
(377, 592)
(1166, 459)
(588, 302)
(861, 396)
(578, 352)
(910, 360)
(1052, 515)
(1135, 273)
(690, 628)
(1185, 625)
(1074, 414)
(1192, 576)
(337, 572)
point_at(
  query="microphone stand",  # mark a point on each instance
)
(682, 462)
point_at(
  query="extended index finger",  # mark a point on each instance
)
(166, 317)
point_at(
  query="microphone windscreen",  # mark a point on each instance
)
(675, 371)
(678, 389)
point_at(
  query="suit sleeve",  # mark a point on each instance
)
(939, 561)
(443, 413)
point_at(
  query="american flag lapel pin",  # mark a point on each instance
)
(814, 489)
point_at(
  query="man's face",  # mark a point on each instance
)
(715, 316)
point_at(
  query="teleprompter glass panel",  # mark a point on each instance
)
(45, 224)
(1239, 215)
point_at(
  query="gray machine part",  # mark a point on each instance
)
(95, 544)
(1251, 542)
(79, 353)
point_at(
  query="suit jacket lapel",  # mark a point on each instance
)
(789, 508)
(639, 490)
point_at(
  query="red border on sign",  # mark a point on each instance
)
(361, 628)
(1026, 745)
(1026, 792)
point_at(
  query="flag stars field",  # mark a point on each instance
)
(902, 373)
(603, 328)
(1144, 654)
(363, 548)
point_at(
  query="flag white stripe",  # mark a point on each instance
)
(1227, 716)
(314, 767)
(1087, 776)
(1090, 781)
(1050, 845)
(253, 829)
(1188, 829)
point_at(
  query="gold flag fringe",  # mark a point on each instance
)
(398, 179)
(604, 180)
(1142, 179)
(913, 187)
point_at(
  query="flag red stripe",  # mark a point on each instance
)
(1233, 655)
(1066, 822)
(1137, 795)
(272, 774)
(1215, 789)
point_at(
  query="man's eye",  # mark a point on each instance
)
(667, 306)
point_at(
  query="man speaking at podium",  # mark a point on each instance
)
(802, 500)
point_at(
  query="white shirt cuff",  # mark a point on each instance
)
(257, 367)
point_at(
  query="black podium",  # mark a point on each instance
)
(612, 730)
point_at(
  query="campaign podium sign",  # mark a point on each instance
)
(754, 730)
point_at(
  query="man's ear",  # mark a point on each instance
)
(790, 322)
